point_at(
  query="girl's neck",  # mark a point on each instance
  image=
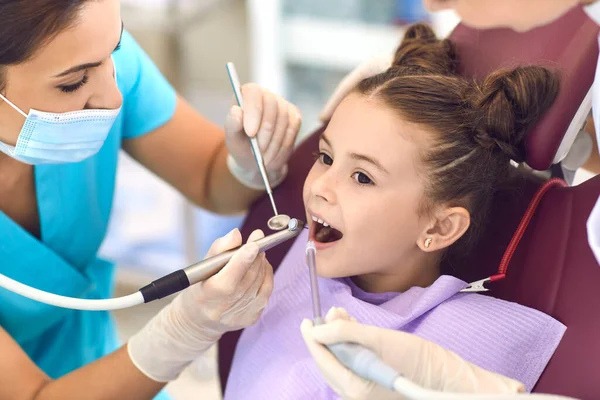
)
(400, 279)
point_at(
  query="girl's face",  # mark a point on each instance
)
(71, 72)
(367, 185)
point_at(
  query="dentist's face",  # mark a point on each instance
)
(367, 186)
(71, 71)
(520, 15)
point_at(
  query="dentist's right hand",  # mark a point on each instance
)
(232, 299)
(423, 362)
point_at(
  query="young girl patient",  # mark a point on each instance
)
(407, 168)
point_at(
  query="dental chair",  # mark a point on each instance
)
(553, 269)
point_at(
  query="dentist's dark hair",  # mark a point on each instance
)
(26, 25)
(477, 128)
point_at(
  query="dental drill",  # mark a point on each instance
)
(162, 287)
(368, 365)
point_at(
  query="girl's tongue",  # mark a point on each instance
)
(326, 234)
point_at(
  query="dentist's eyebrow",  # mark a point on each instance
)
(88, 65)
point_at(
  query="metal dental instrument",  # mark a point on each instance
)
(162, 287)
(311, 252)
(278, 221)
(203, 270)
(360, 360)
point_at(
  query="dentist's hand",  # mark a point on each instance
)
(230, 300)
(275, 123)
(421, 361)
(368, 68)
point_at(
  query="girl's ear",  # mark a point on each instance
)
(447, 226)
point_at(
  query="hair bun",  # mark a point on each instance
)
(510, 102)
(422, 52)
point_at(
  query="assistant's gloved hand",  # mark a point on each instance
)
(230, 300)
(366, 69)
(419, 360)
(275, 122)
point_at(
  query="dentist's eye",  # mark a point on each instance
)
(362, 179)
(325, 159)
(74, 87)
(118, 47)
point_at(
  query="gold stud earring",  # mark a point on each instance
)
(428, 242)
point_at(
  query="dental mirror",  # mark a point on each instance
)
(278, 222)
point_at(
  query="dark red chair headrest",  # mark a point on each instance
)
(570, 44)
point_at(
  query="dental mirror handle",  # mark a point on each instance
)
(181, 279)
(235, 83)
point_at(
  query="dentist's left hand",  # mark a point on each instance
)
(275, 123)
(232, 299)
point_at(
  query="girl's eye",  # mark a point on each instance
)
(362, 179)
(75, 87)
(325, 159)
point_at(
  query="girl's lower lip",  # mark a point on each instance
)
(318, 245)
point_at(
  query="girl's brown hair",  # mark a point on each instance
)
(477, 128)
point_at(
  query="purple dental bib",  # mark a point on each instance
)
(272, 362)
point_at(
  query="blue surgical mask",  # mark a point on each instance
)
(50, 138)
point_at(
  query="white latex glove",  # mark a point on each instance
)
(421, 361)
(366, 69)
(230, 300)
(274, 121)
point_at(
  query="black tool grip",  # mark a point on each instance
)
(165, 286)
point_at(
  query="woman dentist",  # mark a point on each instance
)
(419, 360)
(75, 89)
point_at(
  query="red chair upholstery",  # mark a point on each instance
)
(570, 44)
(553, 269)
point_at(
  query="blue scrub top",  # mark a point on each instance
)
(74, 202)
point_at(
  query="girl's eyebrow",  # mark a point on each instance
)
(359, 157)
(362, 157)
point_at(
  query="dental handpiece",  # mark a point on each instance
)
(360, 360)
(162, 287)
(181, 279)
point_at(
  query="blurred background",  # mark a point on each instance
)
(298, 49)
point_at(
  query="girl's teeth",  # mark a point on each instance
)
(320, 221)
